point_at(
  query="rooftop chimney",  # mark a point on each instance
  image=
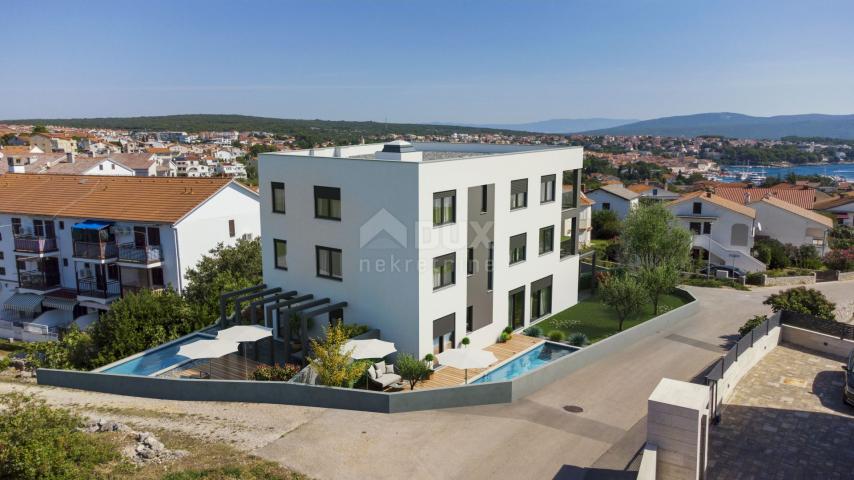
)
(69, 157)
(746, 198)
(400, 151)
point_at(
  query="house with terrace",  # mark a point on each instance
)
(427, 242)
(791, 224)
(70, 245)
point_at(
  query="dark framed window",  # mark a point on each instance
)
(547, 239)
(518, 244)
(707, 228)
(541, 297)
(157, 277)
(329, 263)
(484, 198)
(61, 225)
(519, 193)
(327, 203)
(444, 271)
(444, 207)
(2, 255)
(470, 261)
(698, 208)
(232, 230)
(2, 270)
(16, 226)
(547, 188)
(278, 194)
(695, 227)
(470, 318)
(280, 252)
(489, 270)
(606, 206)
(64, 262)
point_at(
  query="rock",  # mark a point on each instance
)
(19, 363)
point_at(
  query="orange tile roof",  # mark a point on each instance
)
(639, 187)
(802, 197)
(803, 212)
(143, 199)
(717, 200)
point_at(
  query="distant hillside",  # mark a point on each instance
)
(317, 129)
(740, 126)
(560, 125)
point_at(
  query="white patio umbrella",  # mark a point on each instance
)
(244, 333)
(466, 358)
(370, 348)
(207, 349)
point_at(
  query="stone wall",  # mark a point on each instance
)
(845, 276)
(785, 281)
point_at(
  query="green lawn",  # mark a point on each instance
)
(598, 321)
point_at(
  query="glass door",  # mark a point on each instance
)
(517, 309)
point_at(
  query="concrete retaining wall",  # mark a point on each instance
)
(843, 276)
(747, 360)
(819, 342)
(785, 281)
(363, 400)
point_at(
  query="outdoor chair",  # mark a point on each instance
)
(382, 375)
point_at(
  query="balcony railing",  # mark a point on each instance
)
(89, 287)
(96, 251)
(34, 244)
(129, 252)
(569, 200)
(36, 280)
(567, 247)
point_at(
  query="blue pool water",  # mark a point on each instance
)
(155, 360)
(532, 360)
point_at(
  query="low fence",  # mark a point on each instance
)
(350, 399)
(810, 322)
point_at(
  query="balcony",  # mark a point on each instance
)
(90, 287)
(36, 280)
(34, 244)
(567, 247)
(145, 255)
(96, 251)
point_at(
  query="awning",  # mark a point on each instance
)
(23, 302)
(92, 225)
(60, 303)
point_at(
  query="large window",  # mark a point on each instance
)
(444, 207)
(547, 188)
(518, 193)
(517, 248)
(278, 192)
(327, 203)
(280, 247)
(516, 315)
(329, 263)
(444, 271)
(547, 239)
(469, 318)
(541, 297)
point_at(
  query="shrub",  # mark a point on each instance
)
(578, 339)
(754, 278)
(5, 363)
(275, 373)
(533, 331)
(508, 330)
(504, 337)
(802, 300)
(334, 368)
(750, 325)
(411, 369)
(73, 350)
(354, 329)
(39, 442)
(606, 224)
(556, 336)
(465, 341)
(772, 253)
(715, 283)
(841, 237)
(841, 259)
(429, 357)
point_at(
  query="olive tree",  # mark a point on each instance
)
(625, 294)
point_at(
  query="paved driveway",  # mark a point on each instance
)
(535, 437)
(786, 420)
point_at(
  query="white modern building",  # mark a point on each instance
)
(614, 197)
(723, 230)
(428, 242)
(70, 245)
(791, 224)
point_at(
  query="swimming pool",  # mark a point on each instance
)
(531, 360)
(163, 358)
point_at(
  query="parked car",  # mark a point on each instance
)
(848, 384)
(732, 272)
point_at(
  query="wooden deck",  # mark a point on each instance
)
(451, 377)
(230, 367)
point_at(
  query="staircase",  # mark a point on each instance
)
(730, 256)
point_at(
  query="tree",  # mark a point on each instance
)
(224, 269)
(73, 350)
(606, 224)
(39, 129)
(625, 295)
(334, 367)
(658, 280)
(411, 369)
(802, 300)
(651, 236)
(841, 259)
(142, 320)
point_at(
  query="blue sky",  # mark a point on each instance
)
(408, 61)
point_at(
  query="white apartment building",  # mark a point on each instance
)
(70, 245)
(428, 242)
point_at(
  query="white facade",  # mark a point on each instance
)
(389, 242)
(790, 228)
(606, 200)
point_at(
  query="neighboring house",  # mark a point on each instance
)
(803, 197)
(192, 166)
(237, 170)
(54, 142)
(791, 224)
(614, 197)
(723, 230)
(653, 193)
(842, 208)
(585, 220)
(76, 243)
(428, 242)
